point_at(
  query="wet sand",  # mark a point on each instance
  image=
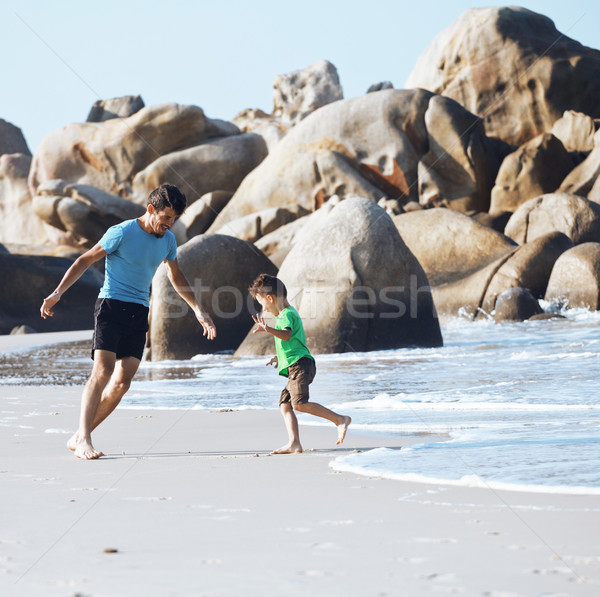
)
(191, 503)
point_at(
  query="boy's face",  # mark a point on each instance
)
(266, 301)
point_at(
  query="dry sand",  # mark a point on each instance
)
(190, 503)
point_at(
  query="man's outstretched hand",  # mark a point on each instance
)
(48, 304)
(208, 327)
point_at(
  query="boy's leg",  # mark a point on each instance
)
(340, 421)
(81, 442)
(291, 424)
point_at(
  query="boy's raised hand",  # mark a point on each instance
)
(260, 322)
(273, 361)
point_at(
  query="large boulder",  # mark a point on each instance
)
(198, 216)
(219, 269)
(575, 131)
(27, 280)
(109, 154)
(574, 216)
(219, 164)
(575, 278)
(82, 211)
(278, 243)
(528, 266)
(450, 245)
(12, 139)
(116, 107)
(372, 146)
(356, 285)
(18, 222)
(256, 225)
(537, 167)
(511, 67)
(301, 92)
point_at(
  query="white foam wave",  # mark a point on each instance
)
(341, 464)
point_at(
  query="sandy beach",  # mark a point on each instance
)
(191, 503)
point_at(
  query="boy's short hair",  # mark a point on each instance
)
(266, 284)
(168, 195)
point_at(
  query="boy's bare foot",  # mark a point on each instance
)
(72, 443)
(86, 451)
(342, 428)
(293, 448)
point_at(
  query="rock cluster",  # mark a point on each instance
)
(475, 191)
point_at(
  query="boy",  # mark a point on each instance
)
(293, 360)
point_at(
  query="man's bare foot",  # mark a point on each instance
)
(292, 448)
(342, 428)
(86, 451)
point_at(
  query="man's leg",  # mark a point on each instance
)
(81, 442)
(340, 421)
(291, 424)
(117, 387)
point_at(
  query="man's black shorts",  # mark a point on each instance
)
(120, 327)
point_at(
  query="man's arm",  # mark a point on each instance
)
(80, 265)
(182, 286)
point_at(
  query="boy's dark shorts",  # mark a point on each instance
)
(120, 327)
(300, 375)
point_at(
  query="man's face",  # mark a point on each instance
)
(161, 221)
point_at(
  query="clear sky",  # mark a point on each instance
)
(60, 56)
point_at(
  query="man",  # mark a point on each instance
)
(133, 250)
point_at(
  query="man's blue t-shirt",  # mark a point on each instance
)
(132, 260)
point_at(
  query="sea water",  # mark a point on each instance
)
(514, 404)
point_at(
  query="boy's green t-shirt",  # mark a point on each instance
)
(292, 350)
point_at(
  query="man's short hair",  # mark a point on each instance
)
(168, 195)
(266, 284)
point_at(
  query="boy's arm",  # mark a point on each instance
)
(284, 334)
(182, 286)
(79, 267)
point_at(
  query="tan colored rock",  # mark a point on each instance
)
(516, 304)
(356, 285)
(452, 173)
(116, 107)
(575, 131)
(575, 278)
(265, 125)
(18, 222)
(511, 67)
(220, 269)
(301, 92)
(109, 154)
(219, 164)
(450, 245)
(581, 179)
(198, 216)
(528, 266)
(256, 225)
(537, 167)
(572, 215)
(368, 146)
(84, 212)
